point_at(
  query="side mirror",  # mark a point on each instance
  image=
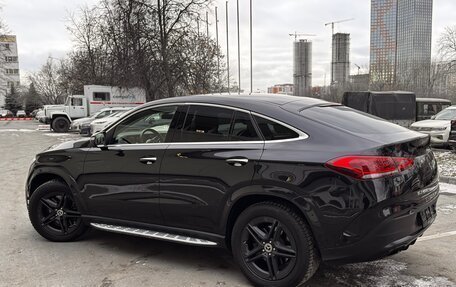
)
(99, 140)
(433, 118)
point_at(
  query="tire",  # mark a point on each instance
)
(54, 213)
(288, 256)
(60, 125)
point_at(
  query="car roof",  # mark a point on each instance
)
(433, 100)
(253, 102)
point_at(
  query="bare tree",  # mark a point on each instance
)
(49, 82)
(147, 43)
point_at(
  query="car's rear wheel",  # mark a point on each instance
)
(54, 213)
(273, 246)
(61, 125)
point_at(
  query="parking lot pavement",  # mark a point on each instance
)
(106, 259)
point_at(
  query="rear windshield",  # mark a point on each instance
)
(351, 120)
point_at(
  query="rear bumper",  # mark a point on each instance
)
(395, 232)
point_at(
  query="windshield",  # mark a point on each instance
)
(448, 114)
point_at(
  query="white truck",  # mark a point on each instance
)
(94, 99)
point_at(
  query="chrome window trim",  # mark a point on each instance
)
(301, 135)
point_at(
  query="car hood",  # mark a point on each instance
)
(84, 120)
(69, 145)
(431, 124)
(105, 121)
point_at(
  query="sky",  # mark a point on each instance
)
(41, 33)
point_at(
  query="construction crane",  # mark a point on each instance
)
(337, 22)
(359, 68)
(296, 35)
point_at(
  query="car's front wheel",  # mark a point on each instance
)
(273, 246)
(54, 213)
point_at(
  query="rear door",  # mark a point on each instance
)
(214, 152)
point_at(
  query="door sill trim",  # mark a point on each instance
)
(153, 234)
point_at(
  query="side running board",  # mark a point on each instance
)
(153, 234)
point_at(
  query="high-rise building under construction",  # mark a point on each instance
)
(302, 68)
(340, 64)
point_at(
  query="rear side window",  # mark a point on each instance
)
(206, 124)
(243, 128)
(351, 120)
(101, 96)
(274, 131)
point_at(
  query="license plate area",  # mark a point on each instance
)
(426, 216)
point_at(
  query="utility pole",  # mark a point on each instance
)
(239, 49)
(251, 49)
(227, 48)
(218, 48)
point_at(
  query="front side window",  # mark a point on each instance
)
(101, 96)
(274, 131)
(76, 102)
(149, 126)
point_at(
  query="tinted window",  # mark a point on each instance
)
(149, 126)
(274, 131)
(351, 120)
(206, 124)
(101, 96)
(243, 128)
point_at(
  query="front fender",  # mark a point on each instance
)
(41, 174)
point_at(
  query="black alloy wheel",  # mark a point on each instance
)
(54, 213)
(269, 250)
(274, 246)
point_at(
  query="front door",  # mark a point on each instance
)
(213, 153)
(122, 181)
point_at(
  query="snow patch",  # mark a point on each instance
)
(447, 188)
(386, 272)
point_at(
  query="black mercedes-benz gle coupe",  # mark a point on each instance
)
(283, 182)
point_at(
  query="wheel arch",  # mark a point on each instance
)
(58, 115)
(42, 178)
(246, 201)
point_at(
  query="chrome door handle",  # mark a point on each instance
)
(237, 161)
(148, 160)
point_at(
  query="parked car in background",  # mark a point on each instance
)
(21, 114)
(5, 114)
(283, 182)
(428, 107)
(83, 125)
(397, 107)
(40, 116)
(99, 124)
(438, 127)
(452, 137)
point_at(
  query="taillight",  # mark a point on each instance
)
(370, 167)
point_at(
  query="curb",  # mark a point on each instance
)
(16, 119)
(449, 180)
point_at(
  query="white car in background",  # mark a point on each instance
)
(438, 127)
(83, 125)
(99, 124)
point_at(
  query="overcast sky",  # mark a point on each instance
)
(40, 29)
